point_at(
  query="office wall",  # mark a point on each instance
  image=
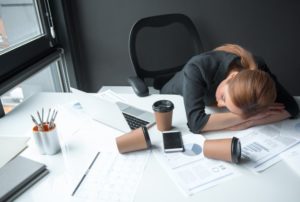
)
(268, 28)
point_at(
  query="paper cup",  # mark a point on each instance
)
(135, 140)
(46, 140)
(228, 149)
(163, 111)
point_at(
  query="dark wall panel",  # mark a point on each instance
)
(267, 28)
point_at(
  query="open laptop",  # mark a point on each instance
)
(119, 115)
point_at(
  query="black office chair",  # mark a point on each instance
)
(159, 47)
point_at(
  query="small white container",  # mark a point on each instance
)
(46, 139)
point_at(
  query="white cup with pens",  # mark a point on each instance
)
(45, 133)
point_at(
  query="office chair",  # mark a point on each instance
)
(159, 47)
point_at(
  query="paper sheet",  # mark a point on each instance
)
(190, 170)
(111, 96)
(11, 147)
(113, 177)
(71, 117)
(262, 146)
(292, 158)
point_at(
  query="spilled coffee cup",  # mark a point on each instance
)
(163, 111)
(228, 149)
(134, 140)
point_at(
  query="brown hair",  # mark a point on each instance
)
(246, 57)
(251, 90)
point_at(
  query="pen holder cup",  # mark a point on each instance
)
(46, 139)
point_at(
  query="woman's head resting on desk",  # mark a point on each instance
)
(246, 90)
(233, 78)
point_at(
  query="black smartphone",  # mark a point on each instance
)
(172, 141)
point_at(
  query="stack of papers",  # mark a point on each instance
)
(11, 147)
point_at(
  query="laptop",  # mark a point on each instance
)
(117, 115)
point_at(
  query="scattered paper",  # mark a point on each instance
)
(11, 147)
(71, 117)
(111, 96)
(292, 158)
(190, 170)
(113, 177)
(262, 146)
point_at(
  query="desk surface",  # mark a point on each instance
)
(278, 183)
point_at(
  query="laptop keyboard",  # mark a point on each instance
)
(134, 122)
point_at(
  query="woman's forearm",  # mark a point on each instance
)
(270, 118)
(219, 121)
(265, 120)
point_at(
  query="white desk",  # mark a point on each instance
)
(278, 183)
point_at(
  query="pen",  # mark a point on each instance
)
(85, 174)
(41, 122)
(39, 116)
(53, 118)
(42, 115)
(35, 122)
(53, 113)
(47, 120)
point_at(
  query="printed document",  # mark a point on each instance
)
(292, 156)
(261, 146)
(190, 170)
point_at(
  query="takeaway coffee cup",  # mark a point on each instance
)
(228, 149)
(163, 111)
(137, 139)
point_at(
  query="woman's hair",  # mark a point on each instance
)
(251, 90)
(246, 58)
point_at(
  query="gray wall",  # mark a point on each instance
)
(269, 28)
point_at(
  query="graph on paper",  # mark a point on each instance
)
(261, 147)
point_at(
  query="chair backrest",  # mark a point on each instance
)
(161, 45)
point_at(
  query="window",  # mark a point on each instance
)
(46, 80)
(30, 59)
(19, 23)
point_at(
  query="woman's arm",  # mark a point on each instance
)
(220, 121)
(230, 121)
(270, 118)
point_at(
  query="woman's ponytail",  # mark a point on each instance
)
(247, 60)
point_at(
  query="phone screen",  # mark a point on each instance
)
(172, 141)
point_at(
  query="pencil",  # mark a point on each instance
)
(85, 174)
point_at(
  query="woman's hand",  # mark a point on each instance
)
(275, 108)
(273, 114)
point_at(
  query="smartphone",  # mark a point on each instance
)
(172, 141)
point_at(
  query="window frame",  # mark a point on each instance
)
(24, 60)
(19, 60)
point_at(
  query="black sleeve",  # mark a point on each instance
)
(282, 94)
(193, 95)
